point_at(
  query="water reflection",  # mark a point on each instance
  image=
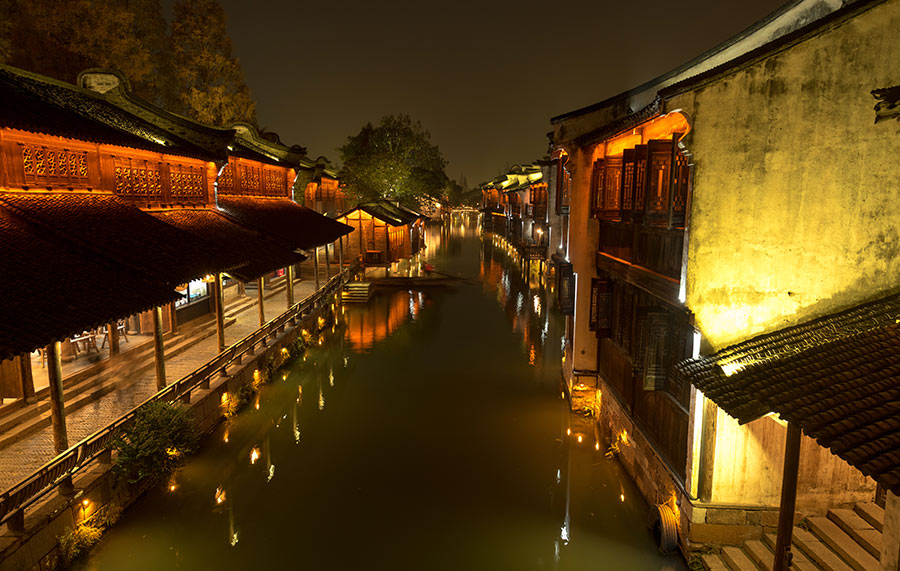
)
(444, 445)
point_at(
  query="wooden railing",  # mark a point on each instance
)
(60, 470)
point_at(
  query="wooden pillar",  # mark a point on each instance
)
(316, 264)
(158, 349)
(890, 540)
(112, 332)
(219, 304)
(788, 498)
(707, 451)
(57, 406)
(341, 252)
(173, 319)
(260, 295)
(327, 265)
(289, 276)
(27, 378)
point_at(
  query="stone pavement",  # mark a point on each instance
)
(19, 460)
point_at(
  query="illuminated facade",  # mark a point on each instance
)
(720, 202)
(383, 233)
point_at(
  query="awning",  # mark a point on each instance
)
(261, 254)
(296, 226)
(107, 226)
(836, 377)
(53, 290)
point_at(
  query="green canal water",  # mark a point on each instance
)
(427, 432)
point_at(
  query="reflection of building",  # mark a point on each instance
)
(384, 232)
(709, 208)
(367, 324)
(529, 207)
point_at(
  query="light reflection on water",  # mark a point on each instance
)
(444, 445)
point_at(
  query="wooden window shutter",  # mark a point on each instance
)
(597, 189)
(565, 286)
(656, 351)
(680, 187)
(659, 179)
(640, 183)
(612, 187)
(627, 183)
(601, 306)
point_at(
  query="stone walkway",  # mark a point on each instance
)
(21, 459)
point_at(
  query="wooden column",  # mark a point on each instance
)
(27, 378)
(707, 451)
(260, 295)
(112, 332)
(327, 264)
(316, 264)
(289, 276)
(341, 252)
(173, 319)
(158, 349)
(219, 303)
(788, 498)
(890, 540)
(57, 407)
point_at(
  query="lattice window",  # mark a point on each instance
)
(138, 179)
(187, 183)
(250, 179)
(51, 167)
(226, 179)
(276, 182)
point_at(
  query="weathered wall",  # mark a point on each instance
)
(796, 194)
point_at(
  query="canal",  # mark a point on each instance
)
(428, 431)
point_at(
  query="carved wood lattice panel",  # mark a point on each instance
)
(187, 183)
(139, 179)
(49, 166)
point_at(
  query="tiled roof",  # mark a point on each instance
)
(263, 254)
(386, 211)
(295, 226)
(110, 227)
(38, 104)
(836, 377)
(53, 290)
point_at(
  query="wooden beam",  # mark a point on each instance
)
(341, 252)
(707, 451)
(316, 264)
(158, 349)
(788, 498)
(219, 303)
(289, 276)
(327, 264)
(112, 332)
(260, 296)
(57, 406)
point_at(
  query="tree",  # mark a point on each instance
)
(209, 81)
(60, 39)
(395, 160)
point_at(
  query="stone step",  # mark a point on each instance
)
(842, 544)
(760, 554)
(872, 513)
(713, 562)
(799, 560)
(737, 560)
(818, 551)
(859, 529)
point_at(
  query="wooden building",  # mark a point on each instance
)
(383, 232)
(722, 275)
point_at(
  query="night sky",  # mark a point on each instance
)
(483, 77)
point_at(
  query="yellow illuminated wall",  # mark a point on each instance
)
(796, 201)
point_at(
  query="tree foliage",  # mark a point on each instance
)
(156, 442)
(60, 39)
(394, 160)
(190, 70)
(210, 80)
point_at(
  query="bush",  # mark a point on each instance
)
(155, 443)
(77, 540)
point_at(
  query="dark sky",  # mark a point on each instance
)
(483, 77)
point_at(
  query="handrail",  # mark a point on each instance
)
(69, 462)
